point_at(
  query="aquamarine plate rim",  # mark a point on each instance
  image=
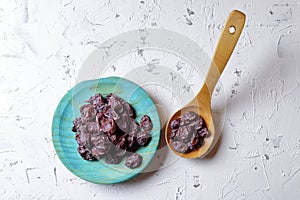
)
(66, 146)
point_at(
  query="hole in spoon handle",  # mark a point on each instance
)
(231, 29)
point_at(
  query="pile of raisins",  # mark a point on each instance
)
(188, 132)
(107, 130)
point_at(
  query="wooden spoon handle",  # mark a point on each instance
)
(228, 39)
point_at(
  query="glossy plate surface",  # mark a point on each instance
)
(64, 139)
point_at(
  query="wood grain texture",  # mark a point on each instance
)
(201, 104)
(64, 139)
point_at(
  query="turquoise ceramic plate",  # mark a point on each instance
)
(64, 139)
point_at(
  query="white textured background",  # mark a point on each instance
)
(43, 44)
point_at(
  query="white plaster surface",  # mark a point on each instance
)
(43, 45)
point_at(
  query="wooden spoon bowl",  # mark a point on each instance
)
(208, 119)
(201, 104)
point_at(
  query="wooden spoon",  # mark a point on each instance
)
(201, 104)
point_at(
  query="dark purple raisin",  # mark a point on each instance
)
(113, 99)
(108, 126)
(74, 129)
(173, 134)
(120, 152)
(203, 132)
(101, 141)
(97, 100)
(92, 127)
(132, 145)
(134, 161)
(82, 138)
(84, 107)
(180, 146)
(146, 123)
(114, 115)
(76, 124)
(96, 138)
(143, 138)
(123, 123)
(119, 105)
(193, 142)
(134, 128)
(129, 110)
(183, 133)
(119, 109)
(199, 143)
(85, 153)
(109, 112)
(175, 123)
(98, 152)
(88, 112)
(121, 143)
(197, 124)
(189, 116)
(113, 138)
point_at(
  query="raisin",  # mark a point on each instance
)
(97, 100)
(123, 123)
(183, 133)
(107, 130)
(176, 123)
(188, 132)
(108, 126)
(81, 138)
(134, 128)
(98, 152)
(189, 117)
(132, 145)
(180, 146)
(143, 138)
(121, 143)
(173, 134)
(146, 123)
(134, 161)
(120, 152)
(113, 138)
(197, 124)
(119, 109)
(76, 124)
(88, 112)
(203, 132)
(85, 153)
(92, 127)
